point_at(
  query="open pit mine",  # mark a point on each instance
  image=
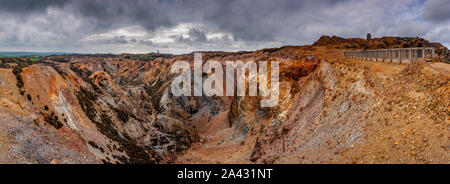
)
(331, 108)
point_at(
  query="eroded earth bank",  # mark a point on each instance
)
(119, 109)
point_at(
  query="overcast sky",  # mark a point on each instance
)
(182, 26)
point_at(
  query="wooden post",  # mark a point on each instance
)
(432, 54)
(410, 55)
(390, 55)
(372, 56)
(376, 59)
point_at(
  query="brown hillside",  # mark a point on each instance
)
(382, 43)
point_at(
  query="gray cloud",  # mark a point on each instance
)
(194, 35)
(437, 10)
(146, 42)
(27, 6)
(182, 26)
(118, 40)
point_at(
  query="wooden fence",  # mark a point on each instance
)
(398, 55)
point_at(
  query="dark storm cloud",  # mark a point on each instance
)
(149, 14)
(103, 14)
(243, 24)
(194, 35)
(437, 10)
(263, 21)
(246, 20)
(27, 6)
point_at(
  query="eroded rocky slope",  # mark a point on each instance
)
(345, 111)
(119, 109)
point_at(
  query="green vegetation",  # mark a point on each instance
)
(105, 125)
(32, 58)
(146, 57)
(17, 71)
(122, 115)
(30, 54)
(53, 121)
(92, 143)
(83, 73)
(29, 97)
(157, 95)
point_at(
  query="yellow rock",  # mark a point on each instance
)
(54, 161)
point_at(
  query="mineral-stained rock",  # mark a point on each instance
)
(120, 109)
